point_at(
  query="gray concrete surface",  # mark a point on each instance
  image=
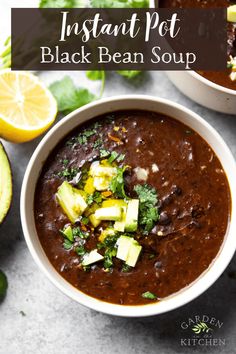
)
(35, 318)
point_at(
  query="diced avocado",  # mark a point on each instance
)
(120, 225)
(101, 183)
(134, 252)
(91, 257)
(103, 171)
(124, 243)
(89, 187)
(128, 250)
(105, 233)
(5, 184)
(112, 213)
(71, 201)
(131, 221)
(231, 13)
(94, 221)
(114, 202)
(68, 233)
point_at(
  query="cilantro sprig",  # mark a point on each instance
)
(148, 211)
(68, 96)
(117, 185)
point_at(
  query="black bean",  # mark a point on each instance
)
(164, 218)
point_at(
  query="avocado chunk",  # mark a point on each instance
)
(123, 243)
(128, 250)
(98, 170)
(101, 183)
(91, 257)
(120, 225)
(68, 233)
(231, 13)
(131, 221)
(111, 213)
(94, 221)
(102, 175)
(71, 200)
(114, 203)
(5, 184)
(134, 252)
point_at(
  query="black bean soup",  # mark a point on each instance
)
(132, 207)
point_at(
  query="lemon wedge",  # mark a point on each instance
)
(27, 107)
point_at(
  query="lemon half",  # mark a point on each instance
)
(27, 107)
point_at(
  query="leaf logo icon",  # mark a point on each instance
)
(201, 327)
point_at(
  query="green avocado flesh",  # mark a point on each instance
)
(5, 184)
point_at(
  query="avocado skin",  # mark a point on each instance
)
(8, 166)
(3, 284)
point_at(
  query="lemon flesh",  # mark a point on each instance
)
(27, 107)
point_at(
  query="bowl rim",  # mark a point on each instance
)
(187, 294)
(211, 84)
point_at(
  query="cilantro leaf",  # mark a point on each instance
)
(117, 185)
(68, 96)
(113, 156)
(149, 295)
(129, 74)
(68, 173)
(94, 75)
(80, 250)
(148, 211)
(67, 244)
(120, 3)
(62, 3)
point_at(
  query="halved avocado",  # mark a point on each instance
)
(5, 184)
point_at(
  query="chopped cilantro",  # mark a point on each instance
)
(95, 197)
(85, 220)
(126, 268)
(117, 185)
(98, 143)
(120, 158)
(109, 242)
(68, 173)
(82, 139)
(108, 257)
(67, 244)
(113, 156)
(80, 250)
(65, 162)
(89, 200)
(149, 295)
(77, 232)
(104, 153)
(151, 256)
(148, 211)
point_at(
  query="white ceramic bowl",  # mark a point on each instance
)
(203, 91)
(69, 123)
